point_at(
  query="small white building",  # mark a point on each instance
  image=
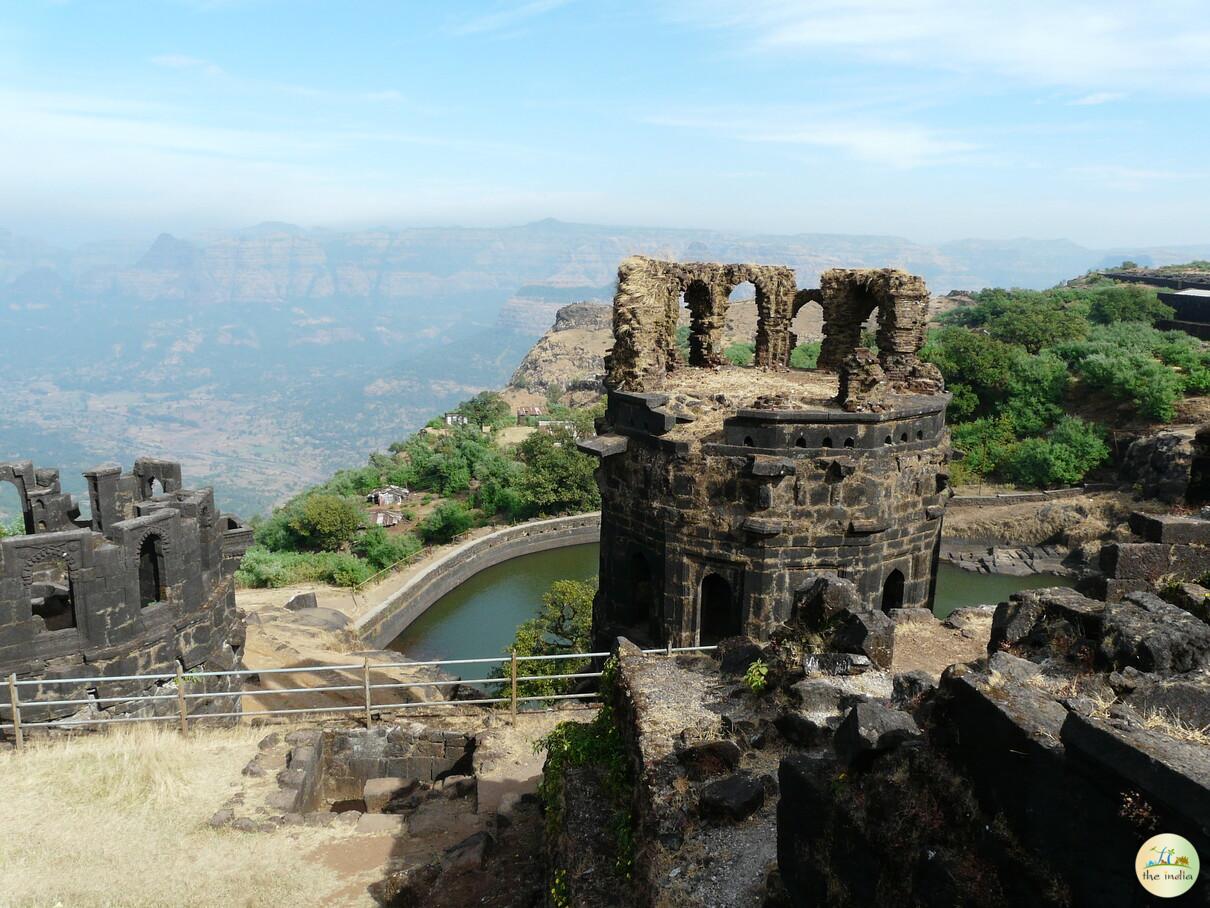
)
(387, 518)
(456, 419)
(388, 495)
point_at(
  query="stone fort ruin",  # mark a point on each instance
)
(143, 586)
(737, 500)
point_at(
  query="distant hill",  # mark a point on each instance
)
(266, 357)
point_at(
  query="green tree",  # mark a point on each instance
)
(447, 520)
(486, 409)
(556, 478)
(1127, 303)
(563, 625)
(325, 522)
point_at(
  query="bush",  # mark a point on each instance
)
(1073, 449)
(448, 520)
(805, 356)
(1127, 303)
(263, 568)
(324, 522)
(563, 625)
(740, 354)
(381, 549)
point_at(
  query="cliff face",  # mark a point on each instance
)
(570, 356)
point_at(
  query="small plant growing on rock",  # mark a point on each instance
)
(757, 676)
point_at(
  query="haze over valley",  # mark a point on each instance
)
(266, 358)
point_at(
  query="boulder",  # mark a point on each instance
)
(710, 758)
(1152, 635)
(469, 854)
(908, 687)
(871, 634)
(301, 601)
(803, 729)
(732, 799)
(835, 664)
(735, 654)
(869, 729)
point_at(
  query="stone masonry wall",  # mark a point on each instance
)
(143, 587)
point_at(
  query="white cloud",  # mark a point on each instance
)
(883, 142)
(1104, 46)
(507, 16)
(182, 61)
(1097, 97)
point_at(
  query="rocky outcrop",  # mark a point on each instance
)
(571, 355)
(1159, 465)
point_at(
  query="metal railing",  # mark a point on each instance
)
(510, 682)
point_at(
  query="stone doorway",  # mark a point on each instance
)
(719, 611)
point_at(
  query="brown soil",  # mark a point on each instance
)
(932, 647)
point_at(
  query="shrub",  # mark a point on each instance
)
(757, 676)
(1126, 303)
(326, 522)
(805, 356)
(381, 549)
(740, 354)
(448, 520)
(563, 625)
(263, 568)
(1073, 448)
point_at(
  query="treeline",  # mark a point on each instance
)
(322, 536)
(1016, 362)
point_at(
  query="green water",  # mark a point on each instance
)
(479, 617)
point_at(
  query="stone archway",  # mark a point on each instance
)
(892, 591)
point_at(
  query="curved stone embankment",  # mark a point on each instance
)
(388, 620)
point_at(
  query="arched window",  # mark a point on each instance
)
(52, 594)
(12, 511)
(892, 591)
(719, 610)
(151, 571)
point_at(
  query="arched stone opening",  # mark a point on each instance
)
(719, 611)
(892, 591)
(806, 331)
(742, 319)
(52, 594)
(844, 318)
(14, 517)
(151, 571)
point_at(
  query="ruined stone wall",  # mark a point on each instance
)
(143, 586)
(780, 498)
(647, 306)
(851, 296)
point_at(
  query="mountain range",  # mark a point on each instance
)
(267, 357)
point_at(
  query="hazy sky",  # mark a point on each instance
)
(933, 119)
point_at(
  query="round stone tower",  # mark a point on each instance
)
(728, 493)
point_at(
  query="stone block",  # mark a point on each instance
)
(377, 793)
(870, 729)
(1171, 528)
(732, 799)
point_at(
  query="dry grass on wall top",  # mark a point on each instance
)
(119, 819)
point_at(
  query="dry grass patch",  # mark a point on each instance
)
(119, 819)
(1163, 721)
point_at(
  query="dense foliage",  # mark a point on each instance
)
(320, 535)
(563, 625)
(1016, 360)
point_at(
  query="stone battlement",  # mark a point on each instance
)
(143, 586)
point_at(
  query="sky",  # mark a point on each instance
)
(930, 119)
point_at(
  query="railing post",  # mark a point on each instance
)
(365, 678)
(513, 673)
(18, 735)
(668, 647)
(180, 699)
